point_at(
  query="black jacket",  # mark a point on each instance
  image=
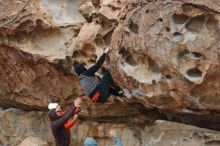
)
(80, 69)
(88, 80)
(59, 131)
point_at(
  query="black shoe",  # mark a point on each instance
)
(119, 90)
(121, 93)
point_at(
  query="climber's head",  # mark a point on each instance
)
(58, 109)
(55, 111)
(54, 106)
(53, 115)
(79, 68)
(90, 142)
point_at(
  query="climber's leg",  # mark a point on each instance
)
(114, 92)
(104, 88)
(107, 87)
(108, 78)
(104, 92)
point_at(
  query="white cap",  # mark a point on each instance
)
(52, 105)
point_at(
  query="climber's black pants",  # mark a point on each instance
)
(107, 87)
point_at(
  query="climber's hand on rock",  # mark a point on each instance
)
(77, 102)
(107, 50)
(75, 116)
(112, 133)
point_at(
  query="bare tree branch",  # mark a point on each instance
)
(16, 16)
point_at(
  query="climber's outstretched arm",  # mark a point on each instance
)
(94, 68)
(116, 139)
(64, 118)
(77, 111)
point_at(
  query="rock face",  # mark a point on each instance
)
(165, 55)
(18, 126)
(32, 129)
(169, 55)
(28, 37)
(169, 133)
(32, 141)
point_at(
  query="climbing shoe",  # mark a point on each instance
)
(119, 90)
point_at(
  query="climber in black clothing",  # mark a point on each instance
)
(97, 89)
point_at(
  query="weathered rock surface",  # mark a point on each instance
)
(165, 55)
(18, 127)
(168, 133)
(33, 141)
(47, 28)
(32, 128)
(26, 80)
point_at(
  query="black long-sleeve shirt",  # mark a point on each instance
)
(58, 128)
(92, 70)
(87, 77)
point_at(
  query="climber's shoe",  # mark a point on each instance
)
(119, 90)
(121, 93)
